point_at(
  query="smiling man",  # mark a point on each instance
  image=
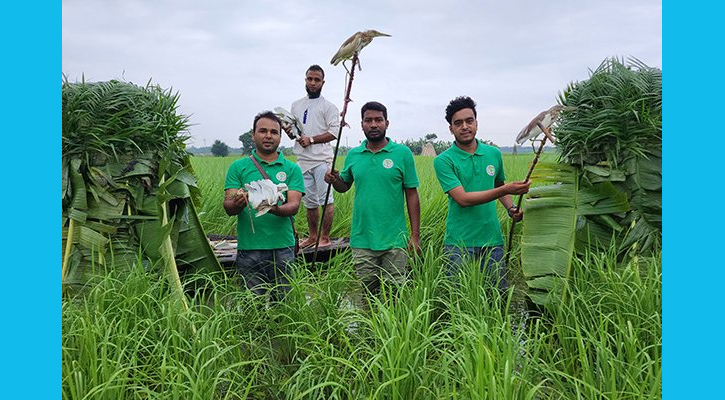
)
(471, 173)
(265, 245)
(385, 183)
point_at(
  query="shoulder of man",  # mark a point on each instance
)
(290, 165)
(357, 149)
(328, 103)
(443, 159)
(242, 162)
(488, 148)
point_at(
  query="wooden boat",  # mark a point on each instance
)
(225, 249)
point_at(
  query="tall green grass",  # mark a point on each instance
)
(429, 339)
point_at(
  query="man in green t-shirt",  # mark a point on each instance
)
(471, 173)
(385, 181)
(265, 244)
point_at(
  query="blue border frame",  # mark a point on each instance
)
(31, 107)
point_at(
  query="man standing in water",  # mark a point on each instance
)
(265, 248)
(385, 181)
(321, 125)
(471, 173)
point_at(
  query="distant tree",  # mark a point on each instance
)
(441, 146)
(247, 143)
(416, 145)
(219, 149)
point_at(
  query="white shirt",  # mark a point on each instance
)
(317, 116)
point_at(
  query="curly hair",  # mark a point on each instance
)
(458, 104)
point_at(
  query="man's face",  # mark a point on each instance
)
(266, 135)
(464, 126)
(314, 83)
(374, 125)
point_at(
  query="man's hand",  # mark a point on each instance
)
(516, 213)
(240, 199)
(288, 129)
(520, 187)
(304, 141)
(414, 246)
(331, 176)
(234, 201)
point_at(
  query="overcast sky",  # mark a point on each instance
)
(229, 60)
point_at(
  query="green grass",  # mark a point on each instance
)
(430, 339)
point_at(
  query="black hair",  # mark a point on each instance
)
(375, 106)
(458, 104)
(315, 67)
(268, 115)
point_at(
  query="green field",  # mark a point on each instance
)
(435, 340)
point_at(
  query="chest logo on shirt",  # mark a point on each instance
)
(490, 170)
(281, 176)
(388, 163)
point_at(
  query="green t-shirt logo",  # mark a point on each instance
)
(388, 163)
(490, 170)
(281, 176)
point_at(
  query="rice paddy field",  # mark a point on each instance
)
(430, 339)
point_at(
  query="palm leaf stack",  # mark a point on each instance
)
(606, 189)
(129, 192)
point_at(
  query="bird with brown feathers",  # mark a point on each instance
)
(354, 44)
(545, 119)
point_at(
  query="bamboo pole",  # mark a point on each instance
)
(334, 156)
(547, 134)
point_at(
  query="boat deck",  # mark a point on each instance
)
(225, 249)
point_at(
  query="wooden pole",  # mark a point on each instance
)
(334, 156)
(547, 134)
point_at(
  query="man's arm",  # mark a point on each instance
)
(316, 139)
(467, 199)
(412, 201)
(337, 182)
(234, 201)
(290, 207)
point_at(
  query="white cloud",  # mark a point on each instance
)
(231, 59)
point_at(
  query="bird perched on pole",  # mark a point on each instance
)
(354, 44)
(540, 123)
(545, 119)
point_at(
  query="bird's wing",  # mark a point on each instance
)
(347, 48)
(289, 119)
(531, 129)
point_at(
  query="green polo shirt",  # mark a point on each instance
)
(270, 231)
(378, 217)
(475, 226)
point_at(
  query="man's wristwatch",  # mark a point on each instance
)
(312, 139)
(511, 210)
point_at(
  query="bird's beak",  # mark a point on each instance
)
(381, 34)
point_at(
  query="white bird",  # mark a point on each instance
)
(289, 120)
(264, 194)
(545, 119)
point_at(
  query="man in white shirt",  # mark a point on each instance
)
(314, 150)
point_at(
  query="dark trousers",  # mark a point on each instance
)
(491, 260)
(266, 270)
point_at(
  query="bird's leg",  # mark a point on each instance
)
(546, 132)
(356, 59)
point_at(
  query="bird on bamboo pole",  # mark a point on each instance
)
(539, 124)
(350, 50)
(353, 45)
